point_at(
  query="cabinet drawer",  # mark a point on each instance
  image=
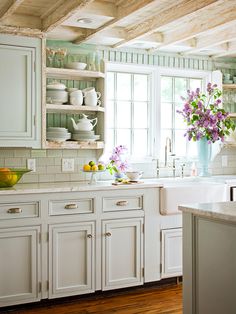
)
(70, 207)
(122, 203)
(19, 210)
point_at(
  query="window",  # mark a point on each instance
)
(128, 111)
(172, 126)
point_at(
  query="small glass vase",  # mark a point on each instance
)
(204, 156)
(118, 176)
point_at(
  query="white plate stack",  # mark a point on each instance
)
(85, 136)
(56, 134)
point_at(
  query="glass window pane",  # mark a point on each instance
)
(195, 83)
(110, 139)
(180, 88)
(140, 87)
(124, 138)
(166, 89)
(180, 143)
(140, 115)
(123, 114)
(140, 143)
(123, 86)
(110, 114)
(110, 85)
(192, 149)
(166, 115)
(179, 120)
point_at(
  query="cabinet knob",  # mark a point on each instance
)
(89, 236)
(121, 203)
(107, 234)
(16, 210)
(71, 206)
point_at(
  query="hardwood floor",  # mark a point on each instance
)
(158, 299)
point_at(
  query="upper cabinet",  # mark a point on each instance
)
(20, 91)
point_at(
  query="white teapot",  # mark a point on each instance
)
(84, 124)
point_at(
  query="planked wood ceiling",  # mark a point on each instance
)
(206, 27)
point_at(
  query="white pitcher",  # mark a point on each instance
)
(91, 97)
(76, 98)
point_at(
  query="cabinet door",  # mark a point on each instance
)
(71, 259)
(19, 265)
(19, 92)
(122, 256)
(171, 252)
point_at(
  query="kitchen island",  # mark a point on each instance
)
(209, 258)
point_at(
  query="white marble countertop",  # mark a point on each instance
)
(224, 210)
(30, 188)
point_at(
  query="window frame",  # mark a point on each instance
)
(152, 72)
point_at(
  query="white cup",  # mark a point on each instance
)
(134, 175)
(76, 98)
(91, 98)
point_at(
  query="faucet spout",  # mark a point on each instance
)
(168, 149)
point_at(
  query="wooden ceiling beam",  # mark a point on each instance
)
(165, 17)
(62, 13)
(10, 8)
(226, 16)
(230, 51)
(21, 31)
(121, 14)
(213, 39)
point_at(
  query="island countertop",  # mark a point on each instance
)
(223, 210)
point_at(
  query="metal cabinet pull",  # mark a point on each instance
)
(122, 203)
(16, 210)
(89, 236)
(71, 206)
(107, 234)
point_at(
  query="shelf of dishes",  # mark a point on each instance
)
(52, 108)
(75, 145)
(71, 74)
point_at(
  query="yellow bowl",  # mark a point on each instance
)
(10, 176)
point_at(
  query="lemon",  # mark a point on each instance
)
(14, 179)
(91, 163)
(86, 168)
(94, 168)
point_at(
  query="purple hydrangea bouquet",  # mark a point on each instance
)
(118, 160)
(204, 116)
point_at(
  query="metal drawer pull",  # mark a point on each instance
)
(107, 234)
(89, 236)
(122, 203)
(71, 206)
(16, 210)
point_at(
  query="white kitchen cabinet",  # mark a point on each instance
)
(122, 256)
(71, 259)
(171, 252)
(20, 91)
(19, 265)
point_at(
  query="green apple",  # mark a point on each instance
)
(91, 163)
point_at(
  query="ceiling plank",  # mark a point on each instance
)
(213, 39)
(230, 51)
(121, 14)
(226, 16)
(165, 17)
(21, 31)
(62, 13)
(10, 8)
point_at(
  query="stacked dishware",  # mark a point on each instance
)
(85, 136)
(56, 134)
(56, 93)
(227, 79)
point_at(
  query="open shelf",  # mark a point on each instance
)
(70, 74)
(51, 108)
(232, 115)
(229, 86)
(75, 145)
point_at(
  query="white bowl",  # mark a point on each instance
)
(56, 86)
(57, 96)
(76, 65)
(134, 175)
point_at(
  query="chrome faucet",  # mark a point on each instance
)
(167, 149)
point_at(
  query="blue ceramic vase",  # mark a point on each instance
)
(204, 156)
